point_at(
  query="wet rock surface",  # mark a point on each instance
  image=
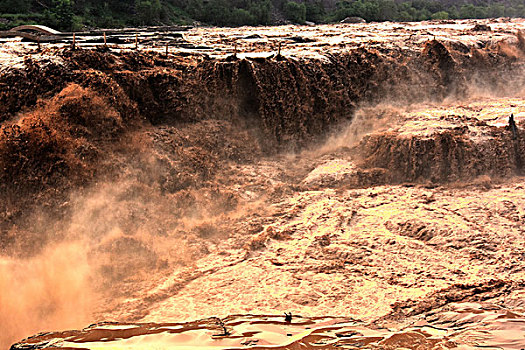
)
(459, 324)
(379, 182)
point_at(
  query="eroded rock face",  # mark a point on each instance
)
(379, 182)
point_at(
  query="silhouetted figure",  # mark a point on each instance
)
(517, 149)
(288, 317)
(225, 331)
(512, 127)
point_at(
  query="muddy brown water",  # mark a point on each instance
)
(373, 189)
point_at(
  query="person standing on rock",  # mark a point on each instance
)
(512, 127)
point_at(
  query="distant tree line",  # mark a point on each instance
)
(420, 10)
(79, 14)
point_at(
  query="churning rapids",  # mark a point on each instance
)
(367, 178)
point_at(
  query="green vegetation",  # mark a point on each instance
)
(418, 10)
(79, 14)
(294, 11)
(229, 13)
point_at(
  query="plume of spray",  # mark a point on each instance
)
(48, 291)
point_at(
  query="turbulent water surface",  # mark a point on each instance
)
(368, 180)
